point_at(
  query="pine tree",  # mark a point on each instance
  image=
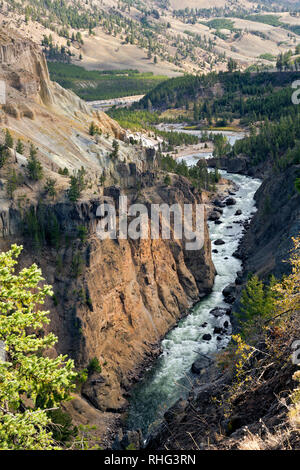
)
(20, 147)
(34, 167)
(288, 290)
(77, 185)
(31, 384)
(50, 187)
(257, 304)
(167, 180)
(9, 142)
(114, 154)
(13, 182)
(92, 128)
(4, 155)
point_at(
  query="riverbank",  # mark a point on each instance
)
(186, 150)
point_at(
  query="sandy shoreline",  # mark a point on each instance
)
(186, 150)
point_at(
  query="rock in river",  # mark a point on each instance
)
(214, 216)
(230, 201)
(206, 337)
(219, 311)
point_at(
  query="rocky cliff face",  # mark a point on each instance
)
(267, 243)
(54, 119)
(114, 299)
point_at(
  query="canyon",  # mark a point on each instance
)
(114, 299)
(139, 308)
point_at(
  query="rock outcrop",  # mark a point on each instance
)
(59, 118)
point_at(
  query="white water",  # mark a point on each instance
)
(170, 376)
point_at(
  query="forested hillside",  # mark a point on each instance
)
(157, 35)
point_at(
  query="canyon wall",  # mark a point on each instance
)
(114, 299)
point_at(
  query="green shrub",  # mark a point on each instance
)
(62, 428)
(94, 366)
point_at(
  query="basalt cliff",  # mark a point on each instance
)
(114, 299)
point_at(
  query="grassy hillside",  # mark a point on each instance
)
(155, 35)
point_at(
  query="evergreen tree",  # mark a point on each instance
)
(167, 180)
(20, 147)
(77, 185)
(92, 129)
(114, 154)
(257, 304)
(31, 384)
(50, 188)
(34, 167)
(13, 181)
(9, 142)
(4, 155)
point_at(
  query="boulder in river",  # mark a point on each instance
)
(214, 216)
(197, 366)
(238, 212)
(218, 330)
(218, 209)
(229, 290)
(239, 278)
(206, 337)
(218, 222)
(230, 201)
(200, 364)
(230, 299)
(220, 311)
(218, 203)
(237, 254)
(229, 293)
(219, 242)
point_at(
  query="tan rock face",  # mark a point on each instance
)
(127, 296)
(30, 91)
(116, 299)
